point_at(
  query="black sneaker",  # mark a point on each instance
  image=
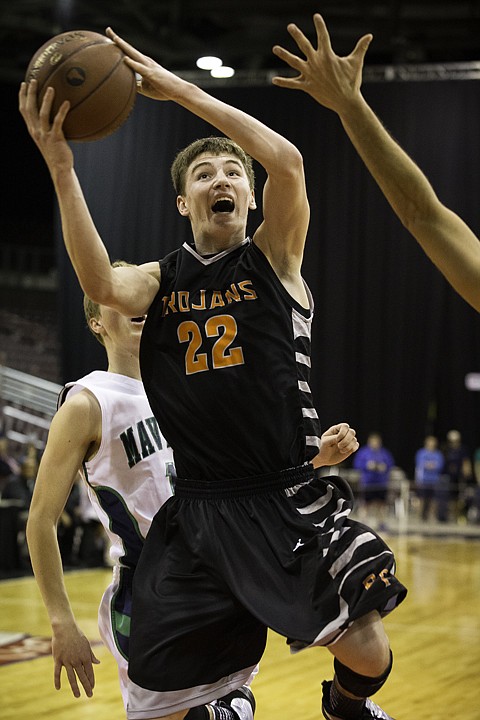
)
(370, 710)
(241, 701)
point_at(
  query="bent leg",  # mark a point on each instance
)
(363, 662)
(364, 648)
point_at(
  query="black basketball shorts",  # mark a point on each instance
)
(222, 563)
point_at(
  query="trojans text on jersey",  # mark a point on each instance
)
(181, 300)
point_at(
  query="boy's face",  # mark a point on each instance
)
(118, 330)
(217, 195)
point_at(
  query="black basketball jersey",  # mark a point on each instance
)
(225, 360)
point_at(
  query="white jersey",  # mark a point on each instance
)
(128, 480)
(130, 476)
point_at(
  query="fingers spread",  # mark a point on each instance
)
(293, 60)
(323, 37)
(125, 46)
(362, 46)
(303, 43)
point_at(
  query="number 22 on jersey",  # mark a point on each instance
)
(222, 354)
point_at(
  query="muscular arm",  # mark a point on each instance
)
(335, 83)
(74, 429)
(442, 234)
(285, 205)
(131, 290)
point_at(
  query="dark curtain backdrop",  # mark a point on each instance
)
(392, 342)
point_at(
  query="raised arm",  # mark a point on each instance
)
(74, 429)
(127, 290)
(285, 205)
(335, 83)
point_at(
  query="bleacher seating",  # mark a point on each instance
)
(28, 404)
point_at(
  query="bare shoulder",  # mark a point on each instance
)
(79, 417)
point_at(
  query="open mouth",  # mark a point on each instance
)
(223, 205)
(139, 319)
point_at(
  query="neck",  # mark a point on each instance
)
(210, 246)
(207, 242)
(124, 363)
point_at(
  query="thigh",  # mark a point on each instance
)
(188, 631)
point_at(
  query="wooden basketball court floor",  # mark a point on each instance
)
(435, 636)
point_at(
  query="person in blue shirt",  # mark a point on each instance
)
(429, 464)
(374, 462)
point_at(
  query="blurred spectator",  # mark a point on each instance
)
(18, 491)
(473, 491)
(429, 462)
(20, 487)
(30, 451)
(374, 462)
(9, 466)
(458, 468)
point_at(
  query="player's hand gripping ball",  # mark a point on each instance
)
(87, 69)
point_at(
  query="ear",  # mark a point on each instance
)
(96, 325)
(182, 206)
(252, 205)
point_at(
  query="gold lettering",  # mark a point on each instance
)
(232, 294)
(383, 577)
(368, 582)
(171, 303)
(217, 300)
(56, 58)
(202, 305)
(183, 300)
(164, 309)
(250, 293)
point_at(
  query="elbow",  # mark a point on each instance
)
(37, 522)
(99, 292)
(287, 162)
(292, 161)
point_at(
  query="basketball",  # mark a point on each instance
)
(87, 69)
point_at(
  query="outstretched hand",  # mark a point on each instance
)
(155, 81)
(330, 79)
(47, 134)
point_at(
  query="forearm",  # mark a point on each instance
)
(70, 648)
(442, 234)
(85, 247)
(274, 152)
(401, 181)
(48, 570)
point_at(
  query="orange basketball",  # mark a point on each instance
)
(87, 69)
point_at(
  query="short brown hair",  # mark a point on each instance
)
(92, 309)
(215, 146)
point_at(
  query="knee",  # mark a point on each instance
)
(365, 647)
(357, 685)
(374, 650)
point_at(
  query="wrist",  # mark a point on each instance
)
(352, 107)
(62, 175)
(62, 621)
